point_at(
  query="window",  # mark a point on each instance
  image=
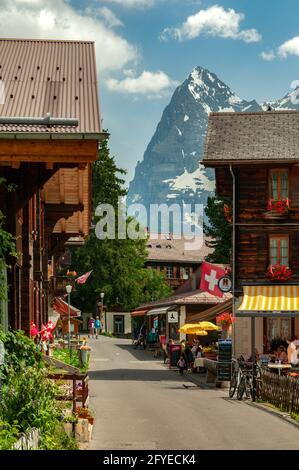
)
(279, 250)
(279, 184)
(169, 272)
(186, 273)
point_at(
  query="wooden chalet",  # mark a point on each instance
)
(168, 255)
(49, 136)
(256, 160)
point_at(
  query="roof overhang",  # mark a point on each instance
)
(139, 313)
(236, 163)
(161, 311)
(54, 136)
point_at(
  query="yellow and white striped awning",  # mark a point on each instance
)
(267, 300)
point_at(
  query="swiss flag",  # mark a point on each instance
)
(210, 275)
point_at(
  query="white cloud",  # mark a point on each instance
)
(268, 56)
(290, 47)
(57, 19)
(132, 3)
(214, 21)
(109, 17)
(151, 84)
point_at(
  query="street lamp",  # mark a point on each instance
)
(69, 290)
(102, 308)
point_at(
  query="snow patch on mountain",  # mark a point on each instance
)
(194, 181)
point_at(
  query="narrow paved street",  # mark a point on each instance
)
(140, 404)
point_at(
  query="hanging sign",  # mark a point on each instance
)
(225, 284)
(173, 317)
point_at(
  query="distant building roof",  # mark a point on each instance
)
(268, 136)
(43, 77)
(165, 247)
(191, 298)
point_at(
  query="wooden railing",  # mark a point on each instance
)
(76, 395)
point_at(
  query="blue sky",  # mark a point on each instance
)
(139, 69)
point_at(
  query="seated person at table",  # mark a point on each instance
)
(282, 355)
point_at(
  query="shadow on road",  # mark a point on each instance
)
(135, 375)
(141, 354)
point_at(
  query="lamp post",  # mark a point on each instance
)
(69, 290)
(102, 309)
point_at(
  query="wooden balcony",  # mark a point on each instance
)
(59, 283)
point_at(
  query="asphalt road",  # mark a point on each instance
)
(140, 404)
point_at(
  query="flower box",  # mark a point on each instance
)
(279, 273)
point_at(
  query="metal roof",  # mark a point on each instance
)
(45, 76)
(270, 136)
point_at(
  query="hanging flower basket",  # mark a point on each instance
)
(279, 273)
(225, 320)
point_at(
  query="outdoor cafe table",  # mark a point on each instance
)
(279, 367)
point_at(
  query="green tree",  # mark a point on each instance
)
(118, 265)
(219, 230)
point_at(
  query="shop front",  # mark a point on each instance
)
(163, 324)
(271, 314)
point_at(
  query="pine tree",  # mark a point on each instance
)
(219, 230)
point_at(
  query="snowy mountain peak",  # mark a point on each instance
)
(213, 94)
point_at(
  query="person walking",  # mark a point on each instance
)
(91, 327)
(97, 326)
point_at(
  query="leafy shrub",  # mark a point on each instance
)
(20, 352)
(29, 399)
(8, 435)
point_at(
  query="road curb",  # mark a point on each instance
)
(280, 414)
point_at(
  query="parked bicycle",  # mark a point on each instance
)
(242, 379)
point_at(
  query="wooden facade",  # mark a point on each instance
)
(256, 162)
(255, 225)
(46, 197)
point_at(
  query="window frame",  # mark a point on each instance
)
(279, 172)
(279, 237)
(169, 267)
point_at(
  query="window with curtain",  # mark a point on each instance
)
(279, 184)
(279, 250)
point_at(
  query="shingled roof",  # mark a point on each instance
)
(43, 77)
(269, 136)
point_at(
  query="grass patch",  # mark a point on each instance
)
(72, 359)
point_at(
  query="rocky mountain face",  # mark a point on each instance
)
(170, 171)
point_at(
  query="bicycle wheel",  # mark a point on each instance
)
(241, 389)
(233, 385)
(248, 386)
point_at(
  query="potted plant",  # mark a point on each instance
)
(84, 352)
(225, 320)
(84, 413)
(279, 272)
